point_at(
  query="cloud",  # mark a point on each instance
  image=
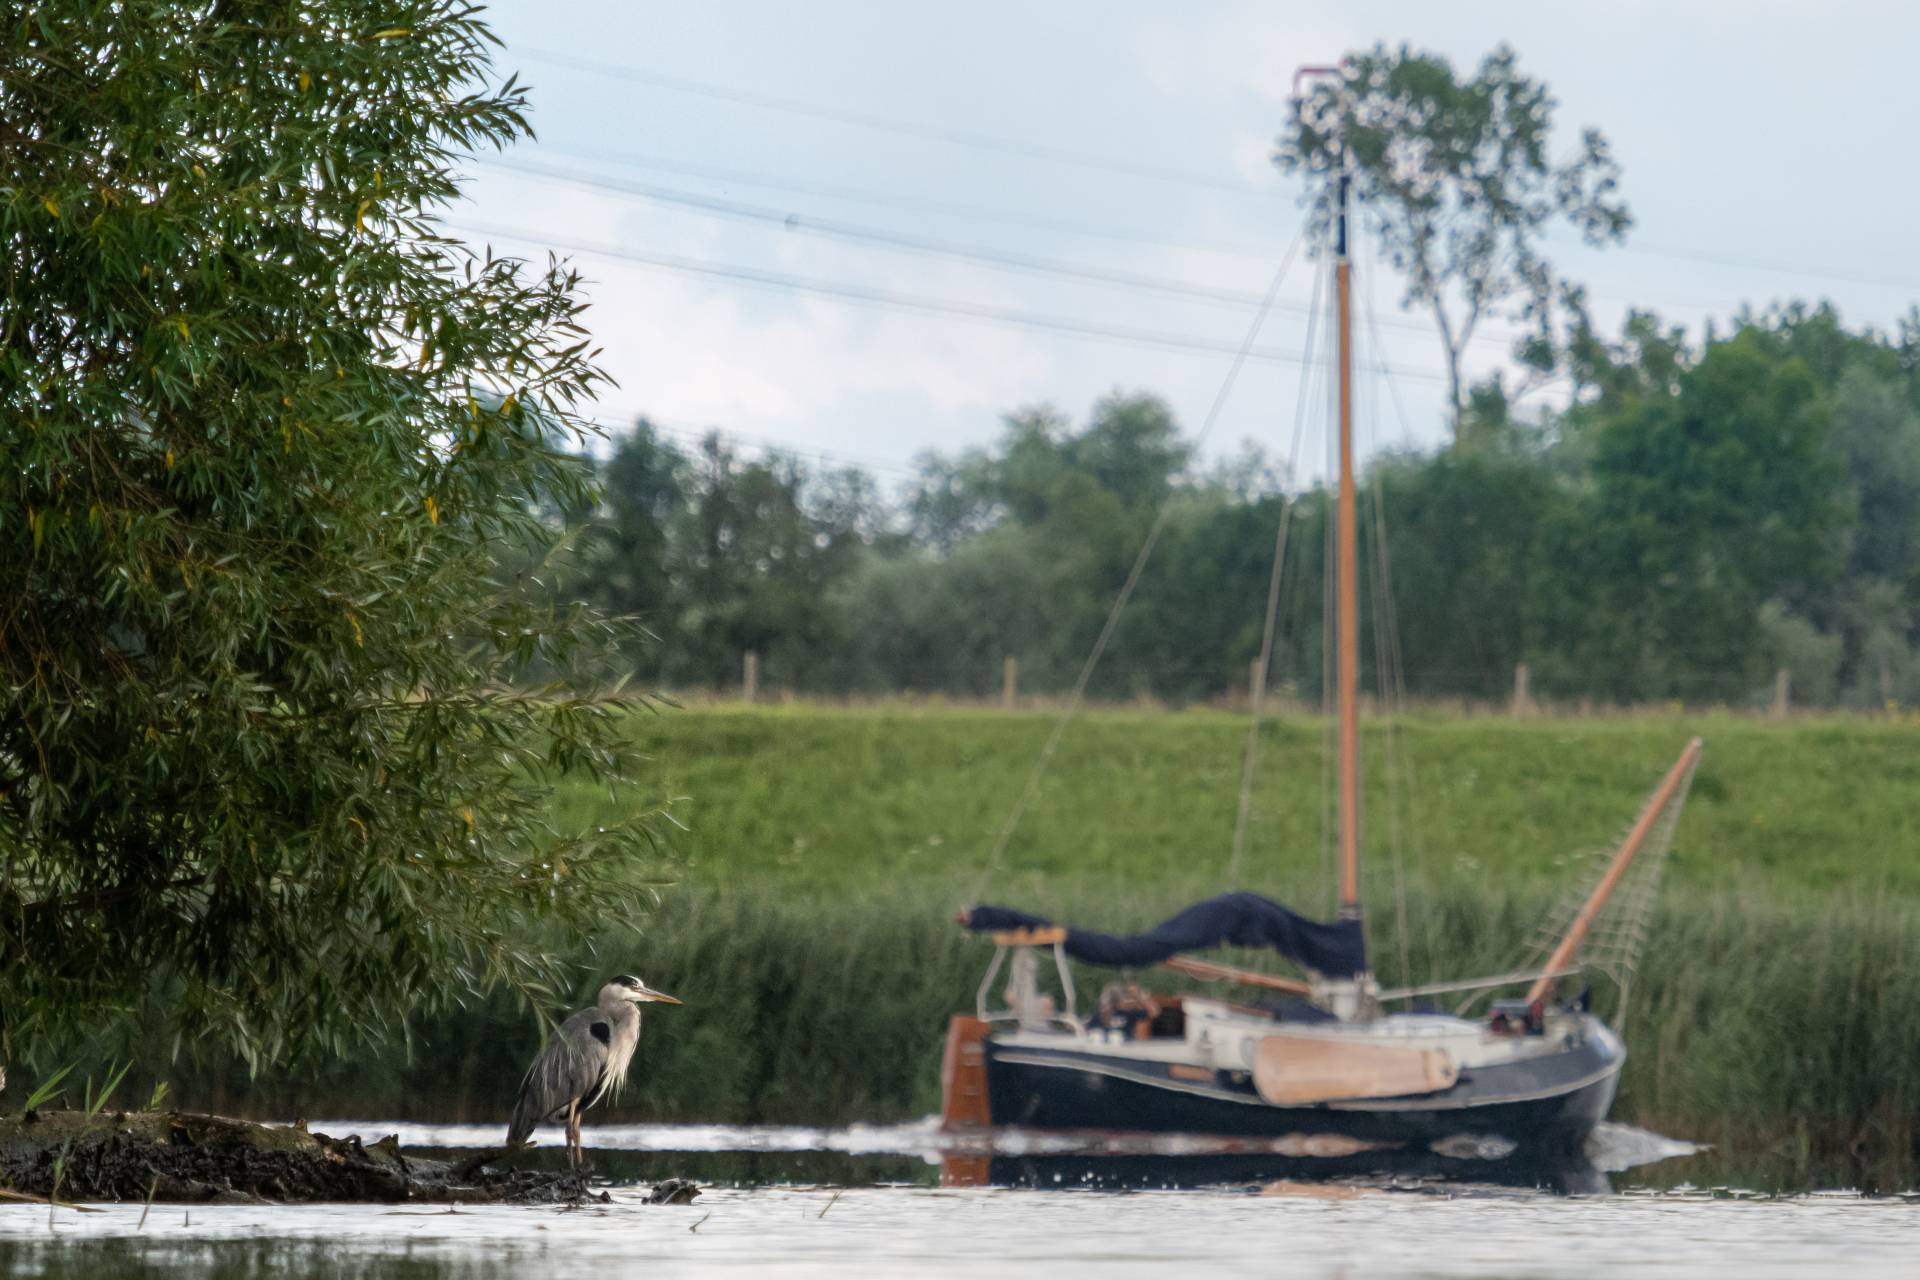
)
(781, 365)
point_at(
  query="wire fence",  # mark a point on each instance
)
(1008, 685)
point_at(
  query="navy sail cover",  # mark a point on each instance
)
(1241, 919)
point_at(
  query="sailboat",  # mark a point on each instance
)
(1330, 1069)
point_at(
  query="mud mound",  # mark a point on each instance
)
(181, 1157)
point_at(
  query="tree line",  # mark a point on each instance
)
(1699, 515)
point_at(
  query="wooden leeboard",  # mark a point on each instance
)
(1294, 1070)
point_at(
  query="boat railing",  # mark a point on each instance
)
(1479, 984)
(1026, 999)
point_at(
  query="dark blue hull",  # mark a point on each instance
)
(1545, 1104)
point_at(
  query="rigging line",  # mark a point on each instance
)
(1250, 758)
(1396, 671)
(891, 124)
(904, 242)
(918, 304)
(1154, 531)
(1379, 588)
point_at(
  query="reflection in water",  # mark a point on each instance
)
(1385, 1171)
(736, 1168)
(137, 1258)
(922, 1154)
(1090, 1164)
(882, 1202)
(1352, 1232)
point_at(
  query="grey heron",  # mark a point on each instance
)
(582, 1062)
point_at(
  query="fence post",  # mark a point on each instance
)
(1522, 700)
(750, 677)
(1782, 687)
(1009, 682)
(1256, 682)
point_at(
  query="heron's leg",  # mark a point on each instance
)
(575, 1157)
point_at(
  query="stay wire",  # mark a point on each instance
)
(1078, 696)
(1396, 669)
(1250, 758)
(1329, 640)
(1379, 590)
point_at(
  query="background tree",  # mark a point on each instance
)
(716, 555)
(1456, 179)
(260, 744)
(1712, 491)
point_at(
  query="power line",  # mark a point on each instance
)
(904, 242)
(912, 204)
(1114, 164)
(789, 221)
(781, 282)
(888, 124)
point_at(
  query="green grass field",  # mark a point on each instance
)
(816, 800)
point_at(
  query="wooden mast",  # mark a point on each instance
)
(1347, 587)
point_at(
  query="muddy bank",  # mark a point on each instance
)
(181, 1157)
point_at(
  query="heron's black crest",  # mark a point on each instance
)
(627, 980)
(602, 1032)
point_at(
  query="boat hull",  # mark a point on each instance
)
(1545, 1103)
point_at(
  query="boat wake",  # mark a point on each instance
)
(1612, 1148)
(1615, 1148)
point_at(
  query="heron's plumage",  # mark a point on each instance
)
(578, 1064)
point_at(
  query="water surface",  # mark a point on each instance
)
(889, 1215)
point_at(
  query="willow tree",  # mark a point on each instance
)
(267, 434)
(1456, 179)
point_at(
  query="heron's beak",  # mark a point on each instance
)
(648, 994)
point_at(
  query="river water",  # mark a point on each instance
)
(896, 1201)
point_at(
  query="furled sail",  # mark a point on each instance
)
(1336, 950)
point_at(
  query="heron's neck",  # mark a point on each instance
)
(619, 1011)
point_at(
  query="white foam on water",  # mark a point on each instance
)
(1615, 1148)
(921, 1137)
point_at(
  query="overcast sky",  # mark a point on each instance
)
(1767, 151)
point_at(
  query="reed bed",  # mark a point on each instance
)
(1782, 1037)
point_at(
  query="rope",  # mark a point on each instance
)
(1250, 758)
(1394, 672)
(1154, 531)
(1379, 590)
(1329, 835)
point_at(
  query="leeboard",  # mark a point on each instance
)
(1294, 1070)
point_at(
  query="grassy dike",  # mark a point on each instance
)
(1776, 1011)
